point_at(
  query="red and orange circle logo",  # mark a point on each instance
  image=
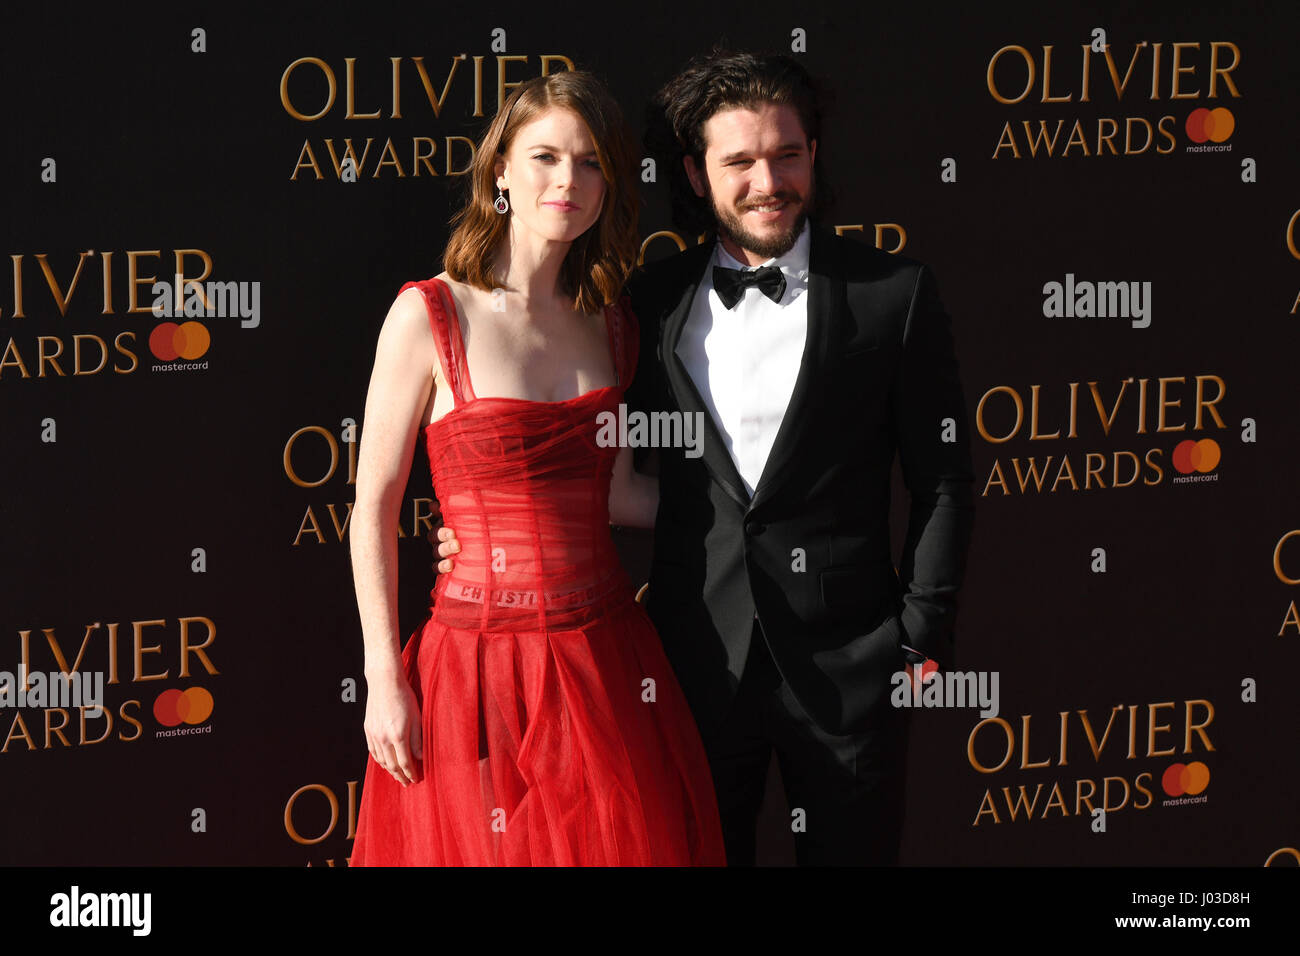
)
(170, 341)
(1216, 124)
(1202, 456)
(1186, 779)
(192, 706)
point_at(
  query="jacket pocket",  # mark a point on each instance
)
(853, 586)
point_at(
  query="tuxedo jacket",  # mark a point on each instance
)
(809, 554)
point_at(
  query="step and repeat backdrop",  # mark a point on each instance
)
(1109, 198)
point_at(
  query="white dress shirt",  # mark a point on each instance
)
(744, 361)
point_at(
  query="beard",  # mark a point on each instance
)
(729, 224)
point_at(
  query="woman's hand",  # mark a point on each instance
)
(393, 726)
(447, 545)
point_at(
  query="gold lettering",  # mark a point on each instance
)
(137, 632)
(1178, 70)
(60, 299)
(1199, 728)
(1024, 747)
(1277, 558)
(1114, 74)
(289, 471)
(284, 88)
(1108, 421)
(134, 281)
(979, 414)
(1201, 404)
(970, 744)
(1029, 80)
(1216, 70)
(1153, 727)
(351, 113)
(437, 101)
(1047, 80)
(197, 650)
(1162, 404)
(289, 827)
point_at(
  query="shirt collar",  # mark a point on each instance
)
(794, 263)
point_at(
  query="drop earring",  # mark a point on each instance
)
(501, 205)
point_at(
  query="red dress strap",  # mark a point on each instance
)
(445, 325)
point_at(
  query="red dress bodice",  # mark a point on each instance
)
(525, 486)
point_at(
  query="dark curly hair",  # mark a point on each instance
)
(718, 80)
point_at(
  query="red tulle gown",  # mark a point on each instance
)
(554, 730)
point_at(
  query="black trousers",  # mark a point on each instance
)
(845, 793)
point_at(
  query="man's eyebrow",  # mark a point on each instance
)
(556, 149)
(783, 148)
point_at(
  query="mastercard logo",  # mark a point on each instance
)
(1185, 779)
(1202, 456)
(1216, 124)
(170, 341)
(191, 706)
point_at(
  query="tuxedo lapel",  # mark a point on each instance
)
(716, 457)
(825, 292)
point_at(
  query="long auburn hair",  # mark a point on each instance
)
(599, 261)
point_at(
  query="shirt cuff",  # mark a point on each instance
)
(913, 656)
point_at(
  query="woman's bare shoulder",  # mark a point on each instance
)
(408, 323)
(408, 312)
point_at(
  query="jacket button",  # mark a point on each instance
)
(755, 527)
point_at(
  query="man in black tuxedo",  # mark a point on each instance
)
(772, 585)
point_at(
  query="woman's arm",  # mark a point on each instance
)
(633, 497)
(401, 383)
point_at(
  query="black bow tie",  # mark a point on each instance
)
(731, 284)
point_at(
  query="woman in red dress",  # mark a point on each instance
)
(532, 719)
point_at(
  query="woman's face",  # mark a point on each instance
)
(552, 177)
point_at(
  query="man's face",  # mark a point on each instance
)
(758, 178)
